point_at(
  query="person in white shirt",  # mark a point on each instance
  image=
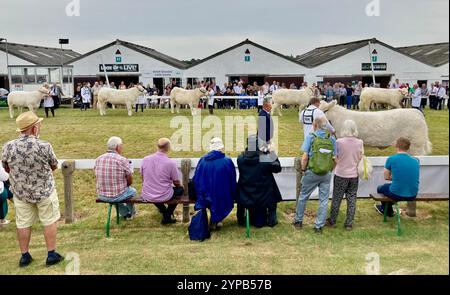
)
(238, 88)
(357, 95)
(95, 90)
(3, 92)
(266, 88)
(85, 97)
(141, 101)
(211, 94)
(433, 95)
(440, 96)
(312, 112)
(425, 95)
(4, 194)
(49, 104)
(273, 87)
(417, 98)
(261, 96)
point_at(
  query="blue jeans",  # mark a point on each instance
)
(310, 182)
(385, 189)
(124, 209)
(3, 204)
(349, 102)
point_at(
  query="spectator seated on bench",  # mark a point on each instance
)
(161, 181)
(403, 170)
(215, 183)
(114, 178)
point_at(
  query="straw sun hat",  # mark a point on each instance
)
(27, 120)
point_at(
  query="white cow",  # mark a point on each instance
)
(382, 129)
(126, 97)
(291, 97)
(30, 99)
(180, 96)
(381, 96)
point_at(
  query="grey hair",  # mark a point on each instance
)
(320, 122)
(349, 129)
(114, 142)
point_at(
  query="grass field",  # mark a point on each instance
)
(143, 246)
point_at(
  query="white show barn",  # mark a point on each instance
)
(352, 61)
(249, 62)
(128, 62)
(30, 66)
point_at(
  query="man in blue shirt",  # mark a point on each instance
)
(404, 172)
(311, 181)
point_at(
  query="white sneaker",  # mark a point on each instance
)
(5, 222)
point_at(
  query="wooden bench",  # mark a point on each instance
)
(419, 198)
(184, 200)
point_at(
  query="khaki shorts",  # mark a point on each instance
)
(46, 211)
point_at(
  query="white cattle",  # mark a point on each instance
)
(291, 97)
(30, 99)
(382, 129)
(180, 96)
(126, 97)
(381, 96)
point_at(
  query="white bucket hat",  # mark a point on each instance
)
(216, 144)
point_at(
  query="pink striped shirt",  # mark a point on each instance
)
(111, 171)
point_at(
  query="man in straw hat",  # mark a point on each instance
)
(30, 163)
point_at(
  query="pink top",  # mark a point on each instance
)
(349, 154)
(159, 173)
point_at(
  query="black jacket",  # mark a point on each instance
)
(257, 187)
(265, 126)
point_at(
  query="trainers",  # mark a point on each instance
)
(25, 260)
(4, 222)
(379, 209)
(128, 217)
(318, 230)
(55, 259)
(298, 224)
(349, 227)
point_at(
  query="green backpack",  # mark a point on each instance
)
(321, 161)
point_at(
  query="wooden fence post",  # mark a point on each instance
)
(68, 167)
(411, 212)
(185, 170)
(298, 178)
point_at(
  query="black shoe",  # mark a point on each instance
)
(318, 230)
(25, 260)
(379, 209)
(55, 259)
(272, 224)
(330, 223)
(298, 224)
(167, 221)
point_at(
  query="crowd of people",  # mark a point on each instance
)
(28, 162)
(346, 94)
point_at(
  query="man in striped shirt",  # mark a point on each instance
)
(114, 178)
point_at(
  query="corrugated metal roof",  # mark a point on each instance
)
(248, 42)
(434, 55)
(139, 48)
(430, 54)
(322, 55)
(39, 55)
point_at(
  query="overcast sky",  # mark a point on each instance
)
(188, 29)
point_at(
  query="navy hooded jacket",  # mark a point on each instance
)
(215, 185)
